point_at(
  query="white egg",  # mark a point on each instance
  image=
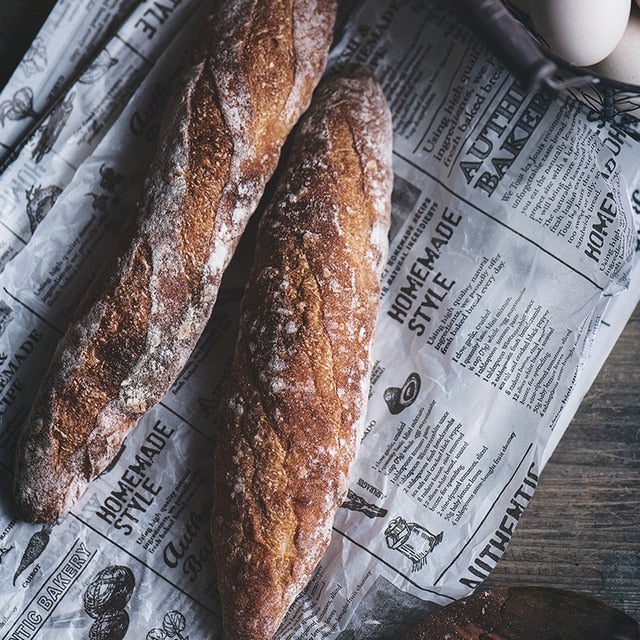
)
(583, 32)
(623, 63)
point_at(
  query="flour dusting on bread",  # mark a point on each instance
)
(295, 401)
(250, 76)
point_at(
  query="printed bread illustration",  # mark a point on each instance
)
(250, 77)
(291, 416)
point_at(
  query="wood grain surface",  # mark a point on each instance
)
(581, 531)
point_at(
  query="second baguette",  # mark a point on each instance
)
(291, 418)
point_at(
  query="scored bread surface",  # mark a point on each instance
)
(294, 404)
(251, 75)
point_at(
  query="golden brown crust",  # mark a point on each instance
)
(294, 403)
(251, 76)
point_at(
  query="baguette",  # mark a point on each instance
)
(291, 416)
(251, 75)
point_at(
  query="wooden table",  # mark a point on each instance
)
(581, 531)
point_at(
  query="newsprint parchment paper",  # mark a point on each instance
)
(512, 270)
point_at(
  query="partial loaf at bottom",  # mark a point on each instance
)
(291, 418)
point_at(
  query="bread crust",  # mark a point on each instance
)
(292, 412)
(250, 76)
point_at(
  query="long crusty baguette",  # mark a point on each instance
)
(289, 423)
(251, 76)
